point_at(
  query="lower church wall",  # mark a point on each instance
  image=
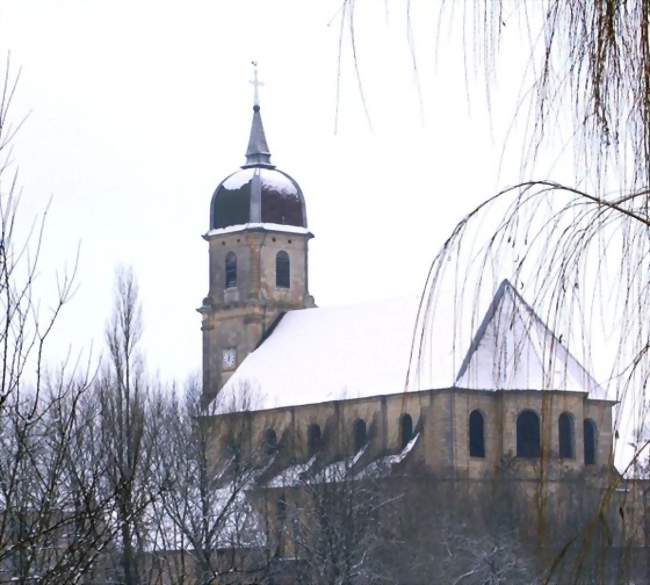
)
(550, 510)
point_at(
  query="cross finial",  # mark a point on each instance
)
(256, 85)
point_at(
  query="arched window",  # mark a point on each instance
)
(231, 270)
(590, 438)
(360, 434)
(281, 511)
(567, 436)
(405, 429)
(270, 441)
(232, 446)
(528, 436)
(281, 518)
(313, 439)
(282, 270)
(476, 434)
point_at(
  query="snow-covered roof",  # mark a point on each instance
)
(320, 354)
(269, 227)
(334, 353)
(513, 349)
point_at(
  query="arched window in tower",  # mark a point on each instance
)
(313, 439)
(405, 429)
(590, 439)
(567, 436)
(282, 270)
(476, 434)
(270, 443)
(360, 434)
(231, 270)
(528, 435)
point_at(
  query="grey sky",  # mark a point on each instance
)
(139, 109)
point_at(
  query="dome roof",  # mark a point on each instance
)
(258, 194)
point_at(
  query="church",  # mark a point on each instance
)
(318, 395)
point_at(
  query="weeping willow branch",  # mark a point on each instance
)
(581, 260)
(589, 57)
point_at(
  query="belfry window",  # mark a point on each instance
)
(282, 270)
(313, 439)
(528, 435)
(405, 429)
(590, 437)
(476, 434)
(231, 270)
(567, 436)
(360, 434)
(270, 443)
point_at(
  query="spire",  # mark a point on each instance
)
(257, 153)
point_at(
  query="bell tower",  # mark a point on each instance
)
(258, 259)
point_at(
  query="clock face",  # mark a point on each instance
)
(229, 358)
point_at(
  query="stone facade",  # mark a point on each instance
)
(237, 318)
(544, 498)
(441, 418)
(415, 444)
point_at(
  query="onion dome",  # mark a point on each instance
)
(258, 193)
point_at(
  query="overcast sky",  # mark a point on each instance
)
(137, 110)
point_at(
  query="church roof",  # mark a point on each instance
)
(258, 192)
(513, 348)
(327, 353)
(257, 153)
(334, 353)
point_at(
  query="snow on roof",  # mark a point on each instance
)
(269, 227)
(384, 465)
(334, 353)
(291, 476)
(514, 349)
(321, 354)
(271, 179)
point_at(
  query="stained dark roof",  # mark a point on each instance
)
(258, 195)
(258, 192)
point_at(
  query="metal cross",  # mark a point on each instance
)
(256, 84)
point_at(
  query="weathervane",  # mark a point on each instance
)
(256, 84)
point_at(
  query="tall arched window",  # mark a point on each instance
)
(282, 270)
(567, 436)
(405, 429)
(281, 510)
(313, 439)
(590, 438)
(360, 434)
(231, 270)
(528, 435)
(476, 434)
(281, 518)
(270, 444)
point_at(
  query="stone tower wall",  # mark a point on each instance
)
(238, 317)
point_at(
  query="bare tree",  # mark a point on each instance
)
(589, 57)
(203, 469)
(330, 517)
(51, 511)
(123, 394)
